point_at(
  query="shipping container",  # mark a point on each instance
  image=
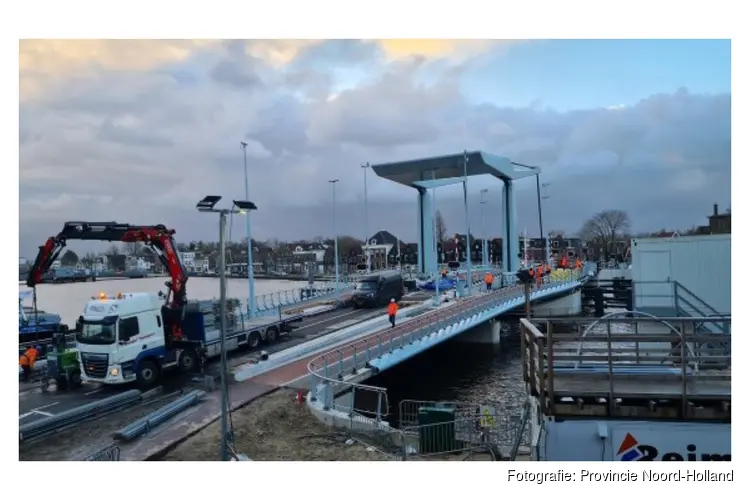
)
(688, 274)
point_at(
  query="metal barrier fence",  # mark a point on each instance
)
(478, 426)
(333, 367)
(109, 454)
(662, 369)
(274, 300)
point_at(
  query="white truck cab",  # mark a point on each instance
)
(116, 332)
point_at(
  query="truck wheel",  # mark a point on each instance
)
(148, 374)
(75, 379)
(188, 361)
(254, 341)
(272, 335)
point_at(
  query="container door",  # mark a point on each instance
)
(653, 288)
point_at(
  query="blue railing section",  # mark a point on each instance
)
(389, 347)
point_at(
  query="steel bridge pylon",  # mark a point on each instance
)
(427, 173)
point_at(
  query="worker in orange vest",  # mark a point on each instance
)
(392, 310)
(579, 264)
(444, 273)
(564, 262)
(488, 279)
(539, 275)
(28, 359)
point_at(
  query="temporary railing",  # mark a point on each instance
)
(318, 290)
(502, 429)
(332, 368)
(655, 368)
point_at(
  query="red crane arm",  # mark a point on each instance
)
(157, 237)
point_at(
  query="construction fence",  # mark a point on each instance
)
(443, 430)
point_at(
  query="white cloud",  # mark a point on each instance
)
(141, 139)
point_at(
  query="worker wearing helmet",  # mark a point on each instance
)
(27, 360)
(392, 310)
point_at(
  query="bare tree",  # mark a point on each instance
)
(440, 227)
(112, 251)
(132, 249)
(605, 228)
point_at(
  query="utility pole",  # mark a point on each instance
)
(250, 273)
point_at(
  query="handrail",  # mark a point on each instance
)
(332, 367)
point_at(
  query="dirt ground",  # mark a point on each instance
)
(275, 427)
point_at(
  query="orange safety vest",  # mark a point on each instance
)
(564, 263)
(578, 263)
(28, 358)
(392, 309)
(540, 271)
(488, 278)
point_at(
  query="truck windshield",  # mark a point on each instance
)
(97, 332)
(367, 285)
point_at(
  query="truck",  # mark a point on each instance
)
(138, 337)
(121, 339)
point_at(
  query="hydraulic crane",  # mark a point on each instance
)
(158, 238)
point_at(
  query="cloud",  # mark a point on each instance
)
(140, 133)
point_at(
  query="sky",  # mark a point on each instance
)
(139, 131)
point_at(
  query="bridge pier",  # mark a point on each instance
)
(486, 333)
(568, 305)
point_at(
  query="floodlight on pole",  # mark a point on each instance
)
(335, 239)
(208, 204)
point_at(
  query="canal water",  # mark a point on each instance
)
(457, 371)
(68, 299)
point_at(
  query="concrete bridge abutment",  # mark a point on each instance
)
(567, 305)
(486, 333)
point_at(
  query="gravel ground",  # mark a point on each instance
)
(275, 427)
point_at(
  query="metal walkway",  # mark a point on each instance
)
(384, 349)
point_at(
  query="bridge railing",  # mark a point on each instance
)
(659, 369)
(332, 368)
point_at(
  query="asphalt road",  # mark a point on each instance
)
(35, 404)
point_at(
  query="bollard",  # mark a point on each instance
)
(354, 361)
(341, 365)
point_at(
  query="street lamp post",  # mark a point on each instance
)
(469, 273)
(482, 203)
(250, 271)
(335, 239)
(365, 166)
(208, 204)
(435, 240)
(541, 227)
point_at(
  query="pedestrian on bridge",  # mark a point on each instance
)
(392, 310)
(488, 279)
(27, 361)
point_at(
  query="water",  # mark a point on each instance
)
(68, 299)
(456, 371)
